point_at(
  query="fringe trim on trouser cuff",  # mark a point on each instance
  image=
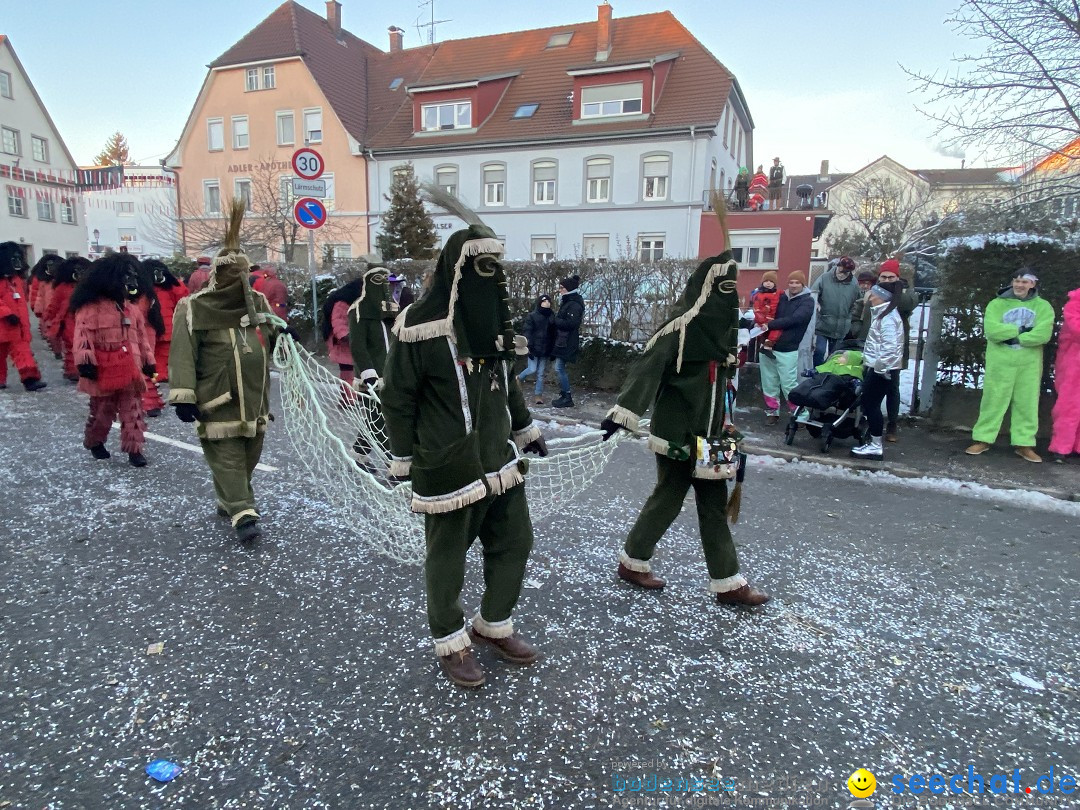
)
(634, 565)
(241, 515)
(621, 416)
(503, 629)
(509, 476)
(526, 435)
(437, 504)
(456, 641)
(726, 584)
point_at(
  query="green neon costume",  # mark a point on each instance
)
(1014, 363)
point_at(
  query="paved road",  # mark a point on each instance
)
(300, 674)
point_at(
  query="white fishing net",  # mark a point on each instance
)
(339, 436)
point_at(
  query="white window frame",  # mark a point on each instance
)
(592, 256)
(67, 211)
(240, 140)
(598, 189)
(44, 142)
(653, 243)
(447, 169)
(280, 116)
(45, 210)
(660, 188)
(611, 108)
(251, 80)
(455, 107)
(126, 235)
(210, 124)
(269, 77)
(124, 209)
(16, 196)
(328, 200)
(5, 84)
(342, 250)
(749, 249)
(550, 192)
(285, 192)
(207, 185)
(494, 190)
(238, 190)
(543, 256)
(308, 133)
(9, 133)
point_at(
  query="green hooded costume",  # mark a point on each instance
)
(457, 421)
(369, 335)
(223, 337)
(1014, 363)
(684, 377)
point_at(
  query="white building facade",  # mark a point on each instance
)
(41, 209)
(138, 215)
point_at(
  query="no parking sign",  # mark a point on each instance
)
(310, 213)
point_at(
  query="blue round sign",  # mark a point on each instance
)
(310, 212)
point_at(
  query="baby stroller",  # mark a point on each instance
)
(829, 402)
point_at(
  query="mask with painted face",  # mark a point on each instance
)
(11, 260)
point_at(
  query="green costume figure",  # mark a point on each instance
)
(369, 331)
(684, 375)
(457, 422)
(1017, 324)
(219, 376)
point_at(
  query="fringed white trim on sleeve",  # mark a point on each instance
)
(529, 433)
(726, 584)
(621, 416)
(455, 642)
(368, 374)
(634, 565)
(216, 402)
(400, 466)
(503, 629)
(181, 396)
(509, 476)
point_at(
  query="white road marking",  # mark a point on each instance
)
(194, 448)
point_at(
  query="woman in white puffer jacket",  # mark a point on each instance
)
(883, 356)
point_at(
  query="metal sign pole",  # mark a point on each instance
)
(314, 285)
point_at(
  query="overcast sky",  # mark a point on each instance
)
(822, 79)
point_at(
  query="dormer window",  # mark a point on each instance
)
(455, 115)
(560, 40)
(611, 99)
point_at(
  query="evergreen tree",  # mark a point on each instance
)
(115, 152)
(408, 230)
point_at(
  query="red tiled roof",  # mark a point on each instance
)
(695, 93)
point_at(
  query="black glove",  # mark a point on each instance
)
(149, 370)
(288, 330)
(1025, 329)
(610, 428)
(88, 370)
(1011, 342)
(538, 446)
(12, 319)
(187, 412)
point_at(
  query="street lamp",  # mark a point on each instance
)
(97, 237)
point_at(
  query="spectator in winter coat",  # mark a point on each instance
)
(169, 290)
(860, 310)
(15, 319)
(539, 331)
(112, 354)
(1066, 413)
(1017, 324)
(766, 298)
(890, 272)
(780, 372)
(567, 344)
(836, 292)
(882, 359)
(276, 293)
(197, 280)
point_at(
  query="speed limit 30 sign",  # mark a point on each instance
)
(307, 163)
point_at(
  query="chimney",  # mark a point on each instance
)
(603, 32)
(824, 174)
(333, 16)
(397, 38)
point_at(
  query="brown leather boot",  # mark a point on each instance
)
(462, 668)
(643, 579)
(745, 595)
(1029, 454)
(510, 648)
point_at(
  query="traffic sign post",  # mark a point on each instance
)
(309, 212)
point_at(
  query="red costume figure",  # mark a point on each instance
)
(45, 272)
(335, 327)
(766, 299)
(59, 318)
(197, 280)
(154, 327)
(169, 290)
(15, 319)
(112, 354)
(276, 293)
(1066, 413)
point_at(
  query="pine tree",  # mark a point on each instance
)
(115, 153)
(408, 230)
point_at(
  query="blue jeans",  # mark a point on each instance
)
(537, 365)
(823, 347)
(560, 372)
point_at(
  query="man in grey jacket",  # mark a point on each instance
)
(835, 291)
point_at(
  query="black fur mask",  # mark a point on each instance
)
(12, 260)
(160, 273)
(109, 277)
(71, 270)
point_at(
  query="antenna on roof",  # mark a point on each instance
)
(430, 26)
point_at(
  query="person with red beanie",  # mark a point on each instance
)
(197, 280)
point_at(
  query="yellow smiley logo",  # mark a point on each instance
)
(861, 783)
